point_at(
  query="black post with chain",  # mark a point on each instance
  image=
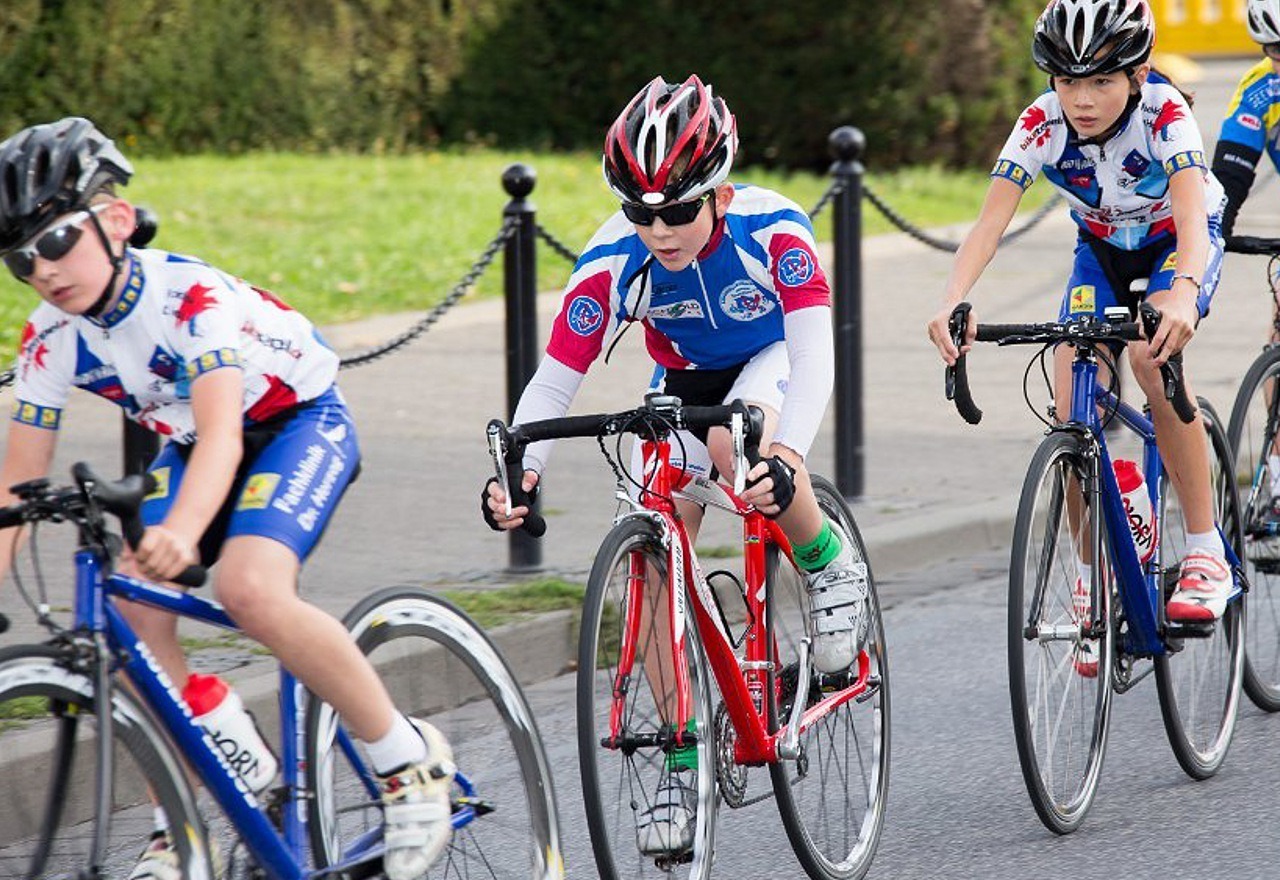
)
(847, 145)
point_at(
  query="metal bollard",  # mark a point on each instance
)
(140, 447)
(847, 145)
(520, 280)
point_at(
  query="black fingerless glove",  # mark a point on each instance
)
(784, 484)
(487, 512)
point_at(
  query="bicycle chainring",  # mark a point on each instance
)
(731, 776)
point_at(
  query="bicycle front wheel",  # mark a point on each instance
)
(634, 772)
(832, 797)
(1254, 437)
(1060, 641)
(1199, 680)
(440, 667)
(49, 770)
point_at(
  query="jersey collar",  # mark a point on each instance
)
(713, 242)
(128, 298)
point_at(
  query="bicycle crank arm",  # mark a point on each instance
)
(789, 748)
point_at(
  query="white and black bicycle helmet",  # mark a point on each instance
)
(1078, 38)
(1263, 19)
(52, 169)
(672, 143)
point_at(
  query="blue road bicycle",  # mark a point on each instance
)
(79, 786)
(1070, 649)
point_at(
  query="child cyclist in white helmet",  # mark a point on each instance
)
(727, 285)
(242, 387)
(1120, 143)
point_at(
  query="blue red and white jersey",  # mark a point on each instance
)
(1253, 116)
(718, 312)
(1119, 190)
(177, 319)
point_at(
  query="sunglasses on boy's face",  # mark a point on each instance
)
(52, 244)
(1272, 51)
(675, 214)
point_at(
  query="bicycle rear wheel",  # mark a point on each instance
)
(48, 770)
(440, 667)
(625, 616)
(1255, 426)
(831, 799)
(1059, 679)
(1199, 681)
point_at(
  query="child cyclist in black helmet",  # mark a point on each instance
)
(734, 305)
(242, 388)
(1120, 142)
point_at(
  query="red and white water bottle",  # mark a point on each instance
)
(1137, 507)
(220, 711)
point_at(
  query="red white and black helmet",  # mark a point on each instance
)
(672, 143)
(1078, 38)
(1263, 18)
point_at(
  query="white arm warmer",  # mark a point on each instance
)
(547, 396)
(811, 349)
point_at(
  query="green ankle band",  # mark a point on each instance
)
(815, 555)
(685, 757)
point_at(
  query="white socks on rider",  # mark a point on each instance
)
(401, 746)
(1210, 541)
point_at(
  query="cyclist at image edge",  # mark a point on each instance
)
(1120, 143)
(1252, 126)
(725, 280)
(242, 387)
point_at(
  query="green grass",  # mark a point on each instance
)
(720, 551)
(343, 236)
(21, 709)
(492, 608)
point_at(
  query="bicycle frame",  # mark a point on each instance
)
(282, 854)
(742, 685)
(1140, 590)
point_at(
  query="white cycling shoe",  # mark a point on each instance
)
(838, 609)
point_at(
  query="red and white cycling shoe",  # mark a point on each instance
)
(1204, 585)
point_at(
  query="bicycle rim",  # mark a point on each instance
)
(48, 764)
(619, 784)
(439, 667)
(832, 799)
(1060, 712)
(1199, 682)
(1255, 422)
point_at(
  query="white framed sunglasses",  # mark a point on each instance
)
(52, 244)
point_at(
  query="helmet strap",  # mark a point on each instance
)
(117, 263)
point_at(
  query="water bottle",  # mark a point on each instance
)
(220, 711)
(1137, 507)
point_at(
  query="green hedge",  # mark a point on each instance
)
(927, 80)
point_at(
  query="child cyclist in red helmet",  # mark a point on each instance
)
(1120, 143)
(243, 389)
(727, 285)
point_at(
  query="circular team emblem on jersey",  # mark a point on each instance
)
(795, 267)
(585, 316)
(743, 301)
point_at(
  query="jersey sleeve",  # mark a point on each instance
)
(793, 265)
(45, 369)
(1251, 111)
(591, 304)
(207, 321)
(1175, 138)
(1026, 150)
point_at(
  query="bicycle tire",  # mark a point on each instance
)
(440, 666)
(849, 746)
(1255, 422)
(616, 786)
(1199, 685)
(1061, 738)
(48, 725)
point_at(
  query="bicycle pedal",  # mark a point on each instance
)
(668, 862)
(1174, 630)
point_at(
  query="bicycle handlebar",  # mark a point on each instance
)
(1085, 333)
(507, 444)
(1253, 244)
(122, 498)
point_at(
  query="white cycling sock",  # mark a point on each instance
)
(161, 820)
(1086, 573)
(1273, 467)
(1210, 541)
(401, 746)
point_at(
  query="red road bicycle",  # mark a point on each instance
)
(644, 695)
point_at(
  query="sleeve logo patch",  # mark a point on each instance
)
(795, 267)
(1083, 300)
(585, 316)
(1248, 120)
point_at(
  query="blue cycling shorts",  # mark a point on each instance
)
(1091, 290)
(294, 471)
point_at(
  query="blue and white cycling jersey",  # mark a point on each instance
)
(1118, 191)
(717, 313)
(1250, 128)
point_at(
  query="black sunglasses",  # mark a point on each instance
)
(53, 244)
(675, 214)
(1272, 50)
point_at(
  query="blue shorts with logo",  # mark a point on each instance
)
(295, 469)
(1090, 292)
